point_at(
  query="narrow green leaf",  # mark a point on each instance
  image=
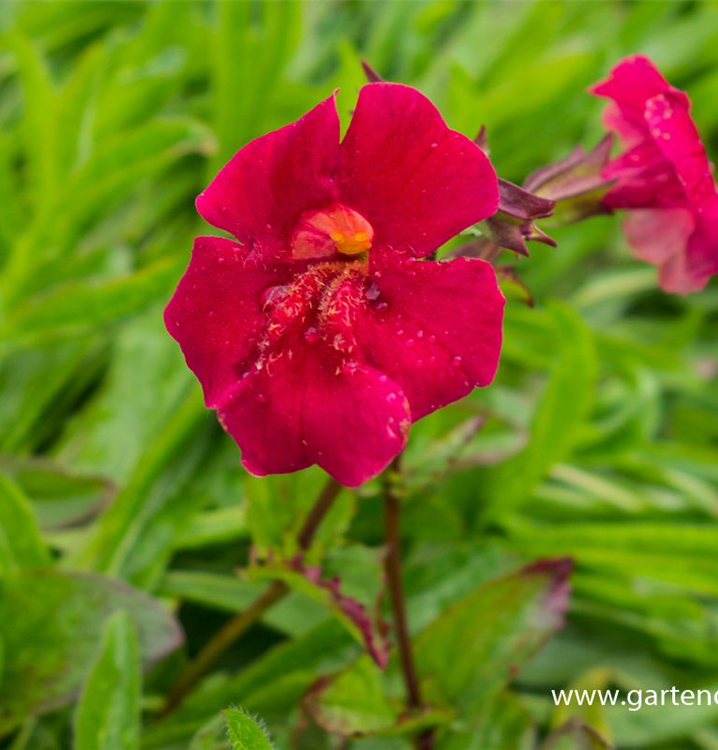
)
(251, 47)
(679, 553)
(277, 507)
(40, 106)
(142, 391)
(77, 106)
(112, 172)
(13, 215)
(59, 497)
(79, 307)
(559, 416)
(294, 614)
(20, 541)
(108, 714)
(131, 539)
(35, 382)
(215, 527)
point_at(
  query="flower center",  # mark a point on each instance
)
(337, 229)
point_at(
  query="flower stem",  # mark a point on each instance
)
(392, 518)
(241, 622)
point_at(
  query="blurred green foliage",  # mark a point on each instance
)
(600, 439)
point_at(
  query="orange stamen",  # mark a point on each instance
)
(321, 234)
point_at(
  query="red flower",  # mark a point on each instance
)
(663, 177)
(320, 335)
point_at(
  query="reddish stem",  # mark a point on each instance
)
(392, 517)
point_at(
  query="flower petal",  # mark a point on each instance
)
(631, 83)
(417, 182)
(674, 276)
(656, 235)
(676, 136)
(662, 236)
(260, 193)
(435, 328)
(216, 312)
(702, 250)
(307, 409)
(643, 179)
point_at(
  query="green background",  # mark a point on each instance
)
(601, 435)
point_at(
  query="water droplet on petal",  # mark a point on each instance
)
(372, 292)
(311, 335)
(456, 361)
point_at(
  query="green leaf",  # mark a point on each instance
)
(362, 620)
(278, 505)
(216, 527)
(132, 540)
(559, 416)
(504, 723)
(20, 541)
(40, 105)
(113, 171)
(244, 732)
(683, 554)
(76, 108)
(249, 49)
(429, 466)
(353, 702)
(274, 682)
(10, 198)
(140, 393)
(35, 382)
(472, 650)
(59, 497)
(108, 714)
(294, 614)
(79, 307)
(49, 623)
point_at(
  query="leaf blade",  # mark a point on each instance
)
(108, 714)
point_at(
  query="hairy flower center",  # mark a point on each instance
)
(318, 305)
(337, 229)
